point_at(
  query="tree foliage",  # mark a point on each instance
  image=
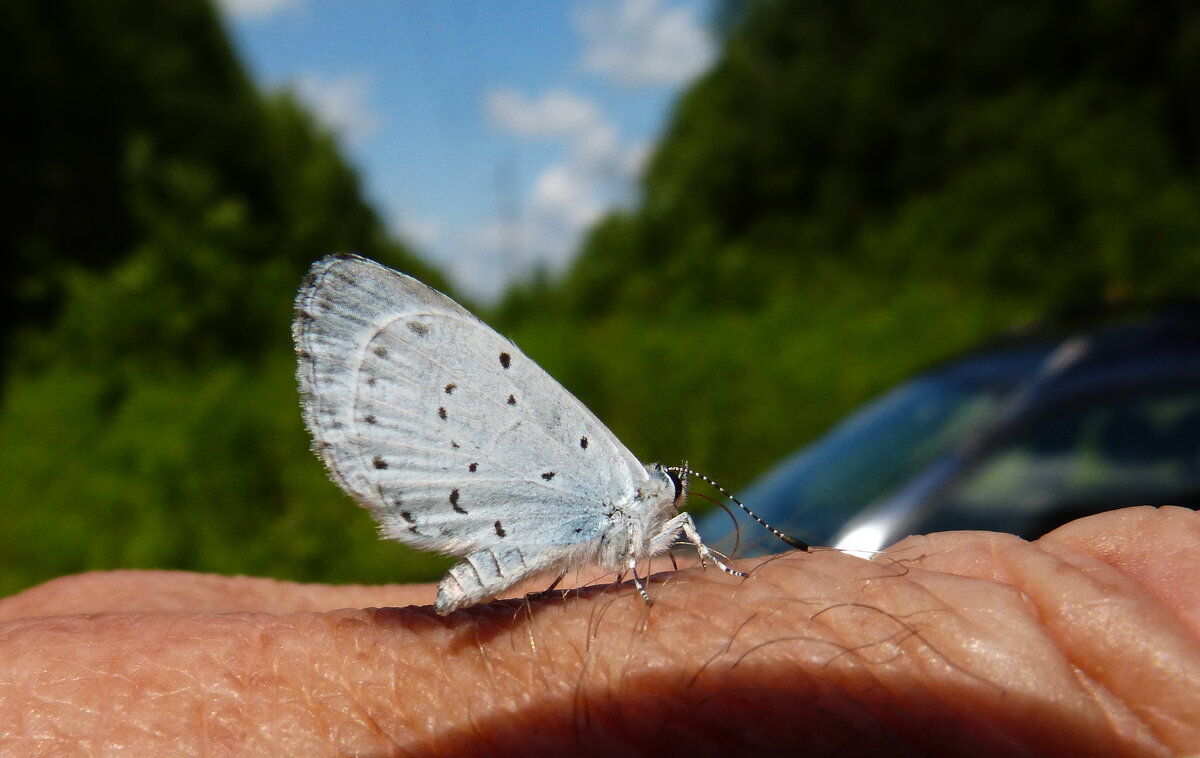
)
(143, 157)
(159, 215)
(1037, 148)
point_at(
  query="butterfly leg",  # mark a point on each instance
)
(546, 592)
(554, 584)
(637, 581)
(683, 523)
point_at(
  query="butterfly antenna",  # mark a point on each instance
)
(687, 472)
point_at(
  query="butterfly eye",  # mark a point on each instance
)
(679, 485)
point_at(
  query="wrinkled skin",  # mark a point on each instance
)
(1082, 643)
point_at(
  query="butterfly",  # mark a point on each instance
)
(458, 442)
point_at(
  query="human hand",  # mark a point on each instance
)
(1082, 643)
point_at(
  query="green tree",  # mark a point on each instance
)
(1049, 149)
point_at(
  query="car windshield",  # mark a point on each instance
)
(1127, 448)
(813, 493)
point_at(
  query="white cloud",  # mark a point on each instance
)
(596, 172)
(640, 42)
(566, 198)
(556, 113)
(598, 146)
(253, 10)
(421, 233)
(481, 261)
(635, 159)
(342, 104)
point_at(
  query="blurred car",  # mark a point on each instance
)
(1020, 436)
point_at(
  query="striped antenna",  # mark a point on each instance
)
(687, 472)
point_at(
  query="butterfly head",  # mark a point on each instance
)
(667, 490)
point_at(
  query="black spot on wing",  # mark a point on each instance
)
(442, 414)
(451, 387)
(583, 443)
(499, 530)
(473, 467)
(379, 463)
(505, 360)
(512, 400)
(454, 501)
(548, 475)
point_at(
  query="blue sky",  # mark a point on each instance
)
(489, 135)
